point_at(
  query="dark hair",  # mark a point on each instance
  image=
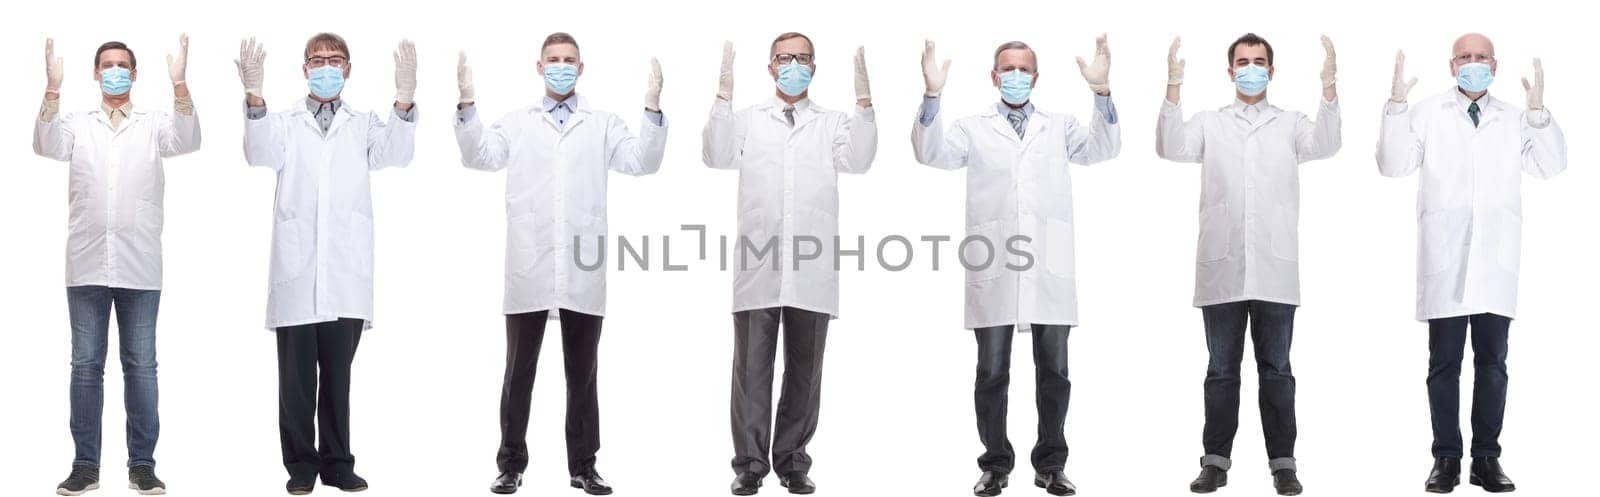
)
(559, 38)
(133, 62)
(790, 36)
(327, 40)
(1250, 40)
(1016, 45)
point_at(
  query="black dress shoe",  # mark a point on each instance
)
(1444, 477)
(1211, 478)
(300, 486)
(990, 483)
(1055, 482)
(345, 481)
(797, 482)
(591, 483)
(1486, 473)
(1286, 483)
(506, 483)
(747, 483)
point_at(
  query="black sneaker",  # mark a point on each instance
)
(345, 481)
(143, 478)
(83, 479)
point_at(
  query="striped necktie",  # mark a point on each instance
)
(788, 113)
(1018, 119)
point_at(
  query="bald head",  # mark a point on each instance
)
(1472, 48)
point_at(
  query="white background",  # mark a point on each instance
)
(898, 412)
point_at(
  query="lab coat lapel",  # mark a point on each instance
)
(1036, 125)
(999, 124)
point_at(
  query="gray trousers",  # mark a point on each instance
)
(754, 352)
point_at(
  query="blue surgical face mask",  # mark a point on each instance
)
(1474, 77)
(1016, 86)
(560, 78)
(794, 78)
(326, 82)
(116, 81)
(1251, 80)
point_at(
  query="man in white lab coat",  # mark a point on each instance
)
(1018, 184)
(320, 298)
(115, 185)
(789, 152)
(1472, 149)
(1247, 270)
(556, 153)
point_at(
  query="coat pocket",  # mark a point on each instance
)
(1509, 234)
(522, 244)
(983, 251)
(288, 254)
(1214, 233)
(1437, 237)
(1286, 234)
(150, 219)
(1059, 247)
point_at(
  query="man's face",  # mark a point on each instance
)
(1472, 49)
(1246, 55)
(1016, 59)
(791, 50)
(560, 53)
(116, 58)
(326, 57)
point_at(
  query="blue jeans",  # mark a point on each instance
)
(1271, 328)
(90, 310)
(1447, 341)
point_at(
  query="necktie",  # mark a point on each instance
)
(788, 113)
(1017, 117)
(1472, 110)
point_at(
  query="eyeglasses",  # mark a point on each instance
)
(335, 61)
(785, 58)
(1471, 58)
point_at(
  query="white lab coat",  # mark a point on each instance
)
(1469, 200)
(1249, 243)
(788, 188)
(1018, 187)
(115, 185)
(322, 214)
(555, 191)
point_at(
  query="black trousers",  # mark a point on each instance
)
(314, 397)
(1052, 395)
(1447, 339)
(580, 342)
(755, 348)
(1271, 327)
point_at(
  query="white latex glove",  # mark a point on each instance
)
(725, 81)
(863, 88)
(405, 72)
(652, 89)
(1401, 87)
(252, 57)
(1330, 67)
(1535, 90)
(933, 73)
(464, 79)
(1098, 75)
(52, 68)
(1174, 64)
(176, 66)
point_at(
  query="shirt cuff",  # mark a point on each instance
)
(49, 109)
(464, 114)
(253, 113)
(1103, 105)
(655, 117)
(408, 115)
(183, 105)
(930, 110)
(1393, 108)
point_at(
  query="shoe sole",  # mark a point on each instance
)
(92, 486)
(153, 491)
(1039, 484)
(1479, 482)
(585, 490)
(1003, 484)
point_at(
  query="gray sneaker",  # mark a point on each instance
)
(83, 479)
(143, 478)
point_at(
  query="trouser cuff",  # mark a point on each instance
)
(1282, 463)
(1217, 461)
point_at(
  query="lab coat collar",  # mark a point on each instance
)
(578, 104)
(130, 113)
(996, 115)
(803, 110)
(1488, 106)
(341, 113)
(1266, 112)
